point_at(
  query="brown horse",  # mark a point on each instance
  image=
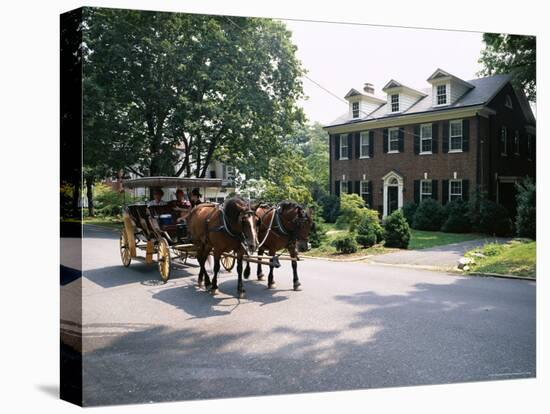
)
(282, 226)
(232, 228)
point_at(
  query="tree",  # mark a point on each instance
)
(176, 91)
(526, 217)
(352, 211)
(515, 54)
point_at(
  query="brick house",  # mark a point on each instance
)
(442, 142)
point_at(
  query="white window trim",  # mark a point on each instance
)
(398, 103)
(455, 150)
(342, 185)
(389, 141)
(344, 157)
(421, 195)
(447, 94)
(364, 134)
(423, 139)
(461, 189)
(505, 130)
(358, 109)
(361, 188)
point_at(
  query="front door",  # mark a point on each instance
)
(393, 202)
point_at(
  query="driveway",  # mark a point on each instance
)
(353, 326)
(441, 257)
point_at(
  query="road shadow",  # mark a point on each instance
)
(431, 333)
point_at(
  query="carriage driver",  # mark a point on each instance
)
(157, 198)
(195, 197)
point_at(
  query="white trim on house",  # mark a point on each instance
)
(364, 134)
(451, 194)
(422, 139)
(451, 136)
(425, 195)
(342, 184)
(390, 140)
(344, 143)
(386, 180)
(366, 192)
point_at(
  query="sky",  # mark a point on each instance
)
(344, 56)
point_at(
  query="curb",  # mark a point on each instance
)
(530, 279)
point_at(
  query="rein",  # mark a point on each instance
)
(225, 226)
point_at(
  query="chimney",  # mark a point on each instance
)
(369, 88)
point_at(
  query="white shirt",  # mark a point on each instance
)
(156, 203)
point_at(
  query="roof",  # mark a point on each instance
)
(164, 182)
(441, 74)
(393, 84)
(483, 91)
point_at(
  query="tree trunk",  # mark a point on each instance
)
(90, 197)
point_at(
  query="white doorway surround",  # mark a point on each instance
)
(392, 182)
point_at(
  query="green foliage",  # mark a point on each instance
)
(492, 249)
(429, 215)
(318, 234)
(331, 207)
(397, 230)
(345, 243)
(458, 218)
(221, 88)
(408, 211)
(526, 218)
(369, 230)
(352, 211)
(493, 219)
(515, 54)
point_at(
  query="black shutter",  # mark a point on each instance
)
(336, 147)
(445, 191)
(445, 136)
(371, 143)
(350, 187)
(510, 142)
(385, 132)
(465, 135)
(435, 138)
(337, 188)
(417, 191)
(350, 146)
(465, 190)
(358, 188)
(369, 197)
(417, 139)
(401, 139)
(434, 190)
(357, 144)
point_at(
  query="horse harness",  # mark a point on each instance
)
(224, 227)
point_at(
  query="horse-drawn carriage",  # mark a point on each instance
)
(153, 229)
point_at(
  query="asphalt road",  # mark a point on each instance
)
(354, 325)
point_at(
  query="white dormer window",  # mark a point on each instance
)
(508, 102)
(442, 94)
(355, 109)
(395, 102)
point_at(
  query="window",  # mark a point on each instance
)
(344, 146)
(508, 102)
(516, 142)
(455, 190)
(529, 146)
(365, 149)
(455, 140)
(393, 140)
(441, 94)
(343, 187)
(355, 109)
(426, 138)
(503, 141)
(425, 189)
(365, 191)
(395, 103)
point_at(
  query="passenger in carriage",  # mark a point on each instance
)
(157, 198)
(182, 207)
(180, 199)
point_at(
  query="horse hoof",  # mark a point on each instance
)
(297, 286)
(214, 292)
(261, 277)
(272, 285)
(199, 285)
(207, 286)
(241, 295)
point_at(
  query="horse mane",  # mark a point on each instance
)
(233, 207)
(288, 204)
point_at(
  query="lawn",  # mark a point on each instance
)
(421, 239)
(516, 258)
(111, 222)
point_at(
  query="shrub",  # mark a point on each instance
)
(492, 249)
(398, 232)
(493, 219)
(369, 231)
(526, 219)
(331, 207)
(352, 211)
(345, 243)
(429, 216)
(458, 218)
(318, 233)
(408, 211)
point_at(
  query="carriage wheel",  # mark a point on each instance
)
(163, 259)
(228, 262)
(125, 254)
